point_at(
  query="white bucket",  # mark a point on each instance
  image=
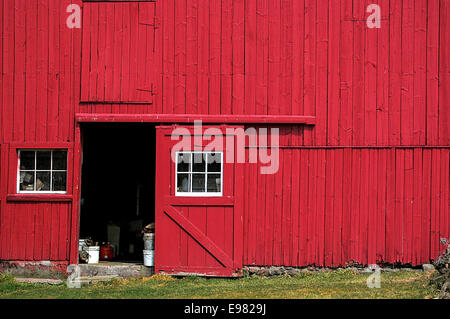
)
(149, 241)
(94, 254)
(149, 258)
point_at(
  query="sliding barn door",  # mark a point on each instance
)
(199, 220)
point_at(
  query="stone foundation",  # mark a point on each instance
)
(41, 269)
(268, 271)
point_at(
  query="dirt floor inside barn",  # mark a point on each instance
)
(341, 284)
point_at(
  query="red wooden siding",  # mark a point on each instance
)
(374, 87)
(368, 181)
(118, 44)
(330, 206)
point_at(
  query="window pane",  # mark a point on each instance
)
(214, 162)
(198, 183)
(214, 184)
(27, 160)
(183, 160)
(59, 181)
(199, 163)
(60, 160)
(43, 181)
(183, 183)
(43, 160)
(27, 181)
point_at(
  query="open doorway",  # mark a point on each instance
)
(118, 186)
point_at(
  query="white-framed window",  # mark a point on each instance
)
(199, 174)
(42, 171)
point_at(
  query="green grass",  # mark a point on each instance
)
(337, 284)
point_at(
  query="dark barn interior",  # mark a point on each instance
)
(118, 186)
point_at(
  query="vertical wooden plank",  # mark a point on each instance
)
(274, 58)
(366, 186)
(30, 93)
(426, 207)
(297, 227)
(8, 63)
(444, 231)
(215, 60)
(109, 51)
(254, 215)
(74, 217)
(420, 66)
(237, 98)
(312, 204)
(286, 216)
(118, 51)
(1, 90)
(348, 197)
(407, 77)
(298, 69)
(329, 205)
(269, 222)
(444, 75)
(320, 212)
(238, 236)
(94, 51)
(4, 232)
(408, 215)
(358, 72)
(435, 199)
(28, 228)
(417, 206)
(399, 206)
(192, 57)
(382, 106)
(65, 109)
(250, 56)
(180, 58)
(136, 48)
(370, 80)
(19, 70)
(86, 47)
(261, 214)
(334, 30)
(127, 54)
(149, 89)
(381, 205)
(304, 220)
(395, 33)
(346, 70)
(286, 52)
(227, 56)
(322, 72)
(203, 56)
(262, 60)
(432, 103)
(310, 64)
(184, 239)
(391, 206)
(337, 211)
(277, 230)
(53, 71)
(372, 209)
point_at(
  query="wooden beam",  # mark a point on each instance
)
(190, 118)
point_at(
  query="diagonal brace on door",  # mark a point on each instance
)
(199, 236)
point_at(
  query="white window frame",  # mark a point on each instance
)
(51, 170)
(190, 172)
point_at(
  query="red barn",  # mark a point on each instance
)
(92, 91)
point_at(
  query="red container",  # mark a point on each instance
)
(106, 252)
